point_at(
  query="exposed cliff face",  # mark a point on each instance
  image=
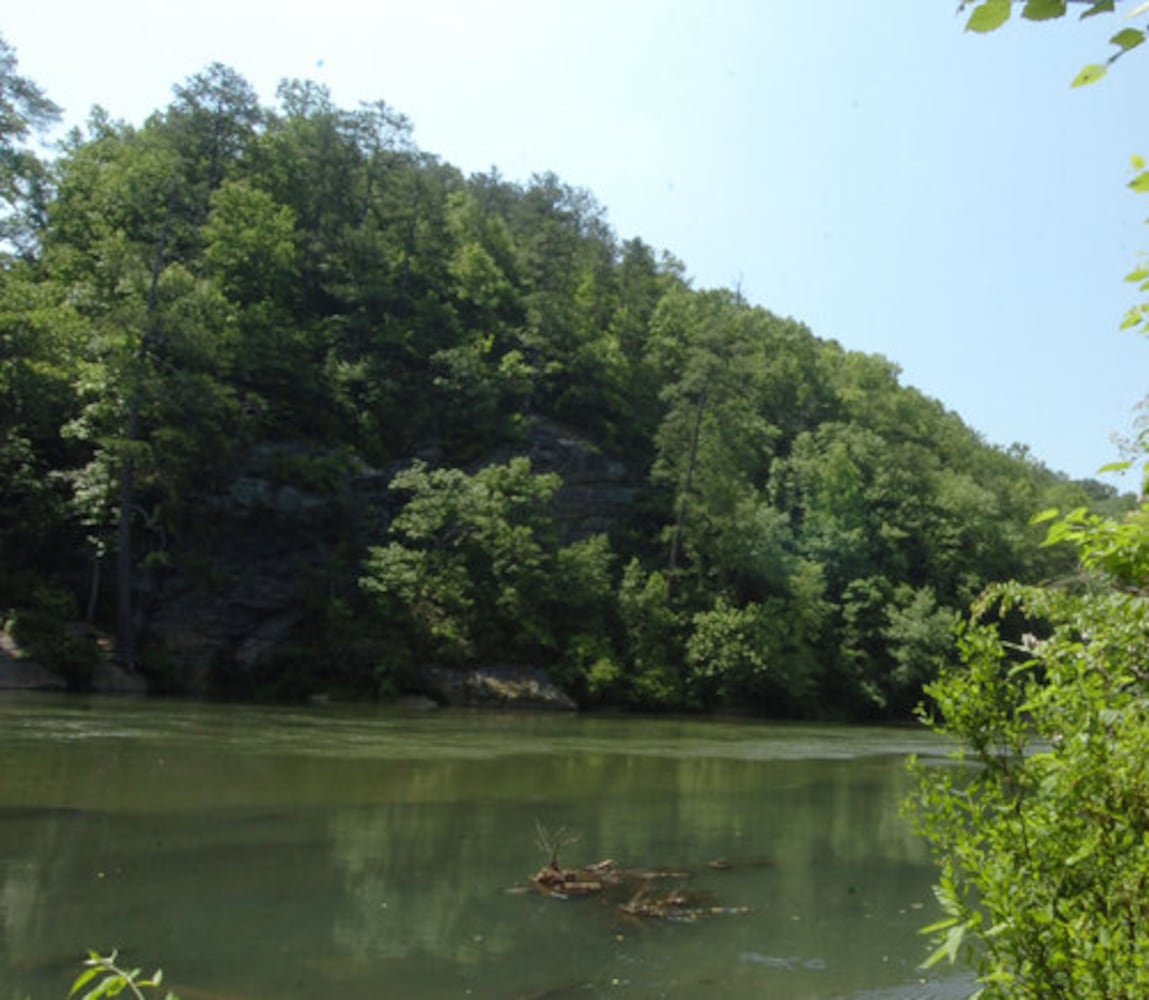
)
(596, 491)
(243, 581)
(291, 531)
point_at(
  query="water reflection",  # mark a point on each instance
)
(268, 854)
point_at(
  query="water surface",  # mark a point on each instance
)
(358, 852)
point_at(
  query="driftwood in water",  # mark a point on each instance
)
(632, 890)
(589, 879)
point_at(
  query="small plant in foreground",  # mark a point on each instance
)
(107, 979)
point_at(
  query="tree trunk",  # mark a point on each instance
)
(684, 496)
(125, 561)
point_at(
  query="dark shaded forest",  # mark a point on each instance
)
(291, 407)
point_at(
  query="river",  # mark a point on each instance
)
(361, 852)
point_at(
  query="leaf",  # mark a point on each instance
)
(1132, 318)
(1140, 182)
(1046, 515)
(941, 925)
(990, 16)
(1101, 7)
(1137, 161)
(1114, 467)
(1090, 74)
(1043, 10)
(101, 990)
(948, 948)
(83, 979)
(1128, 38)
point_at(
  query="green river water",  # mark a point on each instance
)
(351, 852)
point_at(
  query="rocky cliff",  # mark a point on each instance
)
(288, 535)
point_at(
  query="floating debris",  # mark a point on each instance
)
(630, 889)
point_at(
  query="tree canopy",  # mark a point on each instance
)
(230, 329)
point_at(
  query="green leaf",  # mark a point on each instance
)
(83, 979)
(1043, 10)
(948, 948)
(1101, 7)
(989, 16)
(1138, 162)
(941, 925)
(1128, 38)
(1114, 467)
(100, 990)
(1080, 855)
(1090, 74)
(1046, 515)
(1140, 182)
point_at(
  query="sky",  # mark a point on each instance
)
(897, 184)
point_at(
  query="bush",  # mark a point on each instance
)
(1044, 845)
(48, 631)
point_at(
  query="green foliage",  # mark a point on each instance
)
(989, 15)
(463, 574)
(44, 625)
(919, 637)
(25, 181)
(1115, 546)
(738, 655)
(228, 282)
(1043, 842)
(103, 977)
(654, 632)
(1044, 846)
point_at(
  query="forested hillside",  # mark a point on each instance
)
(291, 406)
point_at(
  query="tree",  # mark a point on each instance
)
(1044, 847)
(156, 414)
(466, 565)
(24, 180)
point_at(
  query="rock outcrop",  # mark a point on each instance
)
(597, 490)
(495, 687)
(295, 522)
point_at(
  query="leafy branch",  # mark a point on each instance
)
(989, 15)
(107, 979)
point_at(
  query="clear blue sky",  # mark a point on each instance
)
(897, 184)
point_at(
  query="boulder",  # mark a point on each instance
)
(19, 673)
(495, 687)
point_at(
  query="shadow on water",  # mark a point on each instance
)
(259, 853)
